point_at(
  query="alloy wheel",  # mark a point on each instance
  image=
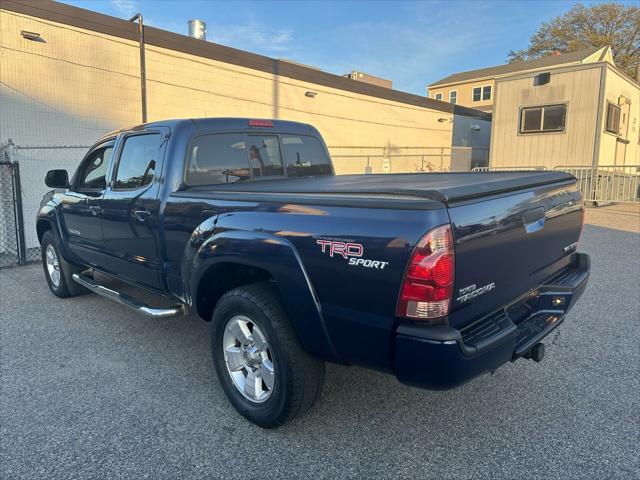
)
(248, 359)
(53, 265)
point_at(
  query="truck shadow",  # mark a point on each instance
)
(353, 397)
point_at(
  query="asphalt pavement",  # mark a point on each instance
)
(91, 390)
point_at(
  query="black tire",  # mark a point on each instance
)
(299, 377)
(65, 287)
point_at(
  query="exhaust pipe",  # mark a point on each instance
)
(536, 353)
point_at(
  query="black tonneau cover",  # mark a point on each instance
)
(442, 187)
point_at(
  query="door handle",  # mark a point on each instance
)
(141, 215)
(94, 209)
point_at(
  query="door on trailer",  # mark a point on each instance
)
(623, 131)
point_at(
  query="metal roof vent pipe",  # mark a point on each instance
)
(198, 29)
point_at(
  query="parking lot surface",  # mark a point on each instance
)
(91, 390)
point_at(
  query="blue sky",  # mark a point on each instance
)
(412, 43)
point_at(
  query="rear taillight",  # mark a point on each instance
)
(427, 287)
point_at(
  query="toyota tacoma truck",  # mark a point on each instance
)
(435, 278)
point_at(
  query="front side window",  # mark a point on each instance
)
(550, 118)
(453, 96)
(612, 124)
(486, 92)
(265, 159)
(215, 159)
(137, 163)
(93, 171)
(304, 156)
(477, 94)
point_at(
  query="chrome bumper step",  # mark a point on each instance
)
(124, 299)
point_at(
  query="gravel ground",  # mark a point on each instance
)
(621, 217)
(90, 390)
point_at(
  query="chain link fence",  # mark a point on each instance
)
(9, 224)
(373, 160)
(22, 172)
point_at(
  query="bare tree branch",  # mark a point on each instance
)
(606, 24)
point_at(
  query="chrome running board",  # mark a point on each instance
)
(126, 300)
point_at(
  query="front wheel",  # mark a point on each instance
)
(57, 270)
(263, 369)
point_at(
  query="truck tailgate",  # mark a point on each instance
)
(507, 245)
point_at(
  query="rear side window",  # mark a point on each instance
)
(304, 156)
(137, 164)
(218, 159)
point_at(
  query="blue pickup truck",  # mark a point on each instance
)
(434, 278)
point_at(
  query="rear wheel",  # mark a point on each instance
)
(57, 270)
(263, 369)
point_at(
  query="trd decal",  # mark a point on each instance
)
(341, 248)
(350, 251)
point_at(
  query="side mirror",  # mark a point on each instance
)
(57, 179)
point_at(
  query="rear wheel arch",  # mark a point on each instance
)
(258, 257)
(222, 277)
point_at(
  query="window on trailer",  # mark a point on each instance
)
(612, 124)
(548, 118)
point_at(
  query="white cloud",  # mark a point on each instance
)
(252, 37)
(411, 53)
(127, 8)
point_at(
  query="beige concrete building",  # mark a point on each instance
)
(574, 109)
(69, 75)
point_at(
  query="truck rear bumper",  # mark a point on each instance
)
(442, 357)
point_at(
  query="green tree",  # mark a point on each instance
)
(606, 24)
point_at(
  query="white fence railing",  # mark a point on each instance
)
(607, 183)
(508, 169)
(601, 184)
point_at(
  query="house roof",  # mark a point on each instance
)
(97, 22)
(544, 62)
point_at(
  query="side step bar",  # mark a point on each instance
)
(90, 284)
